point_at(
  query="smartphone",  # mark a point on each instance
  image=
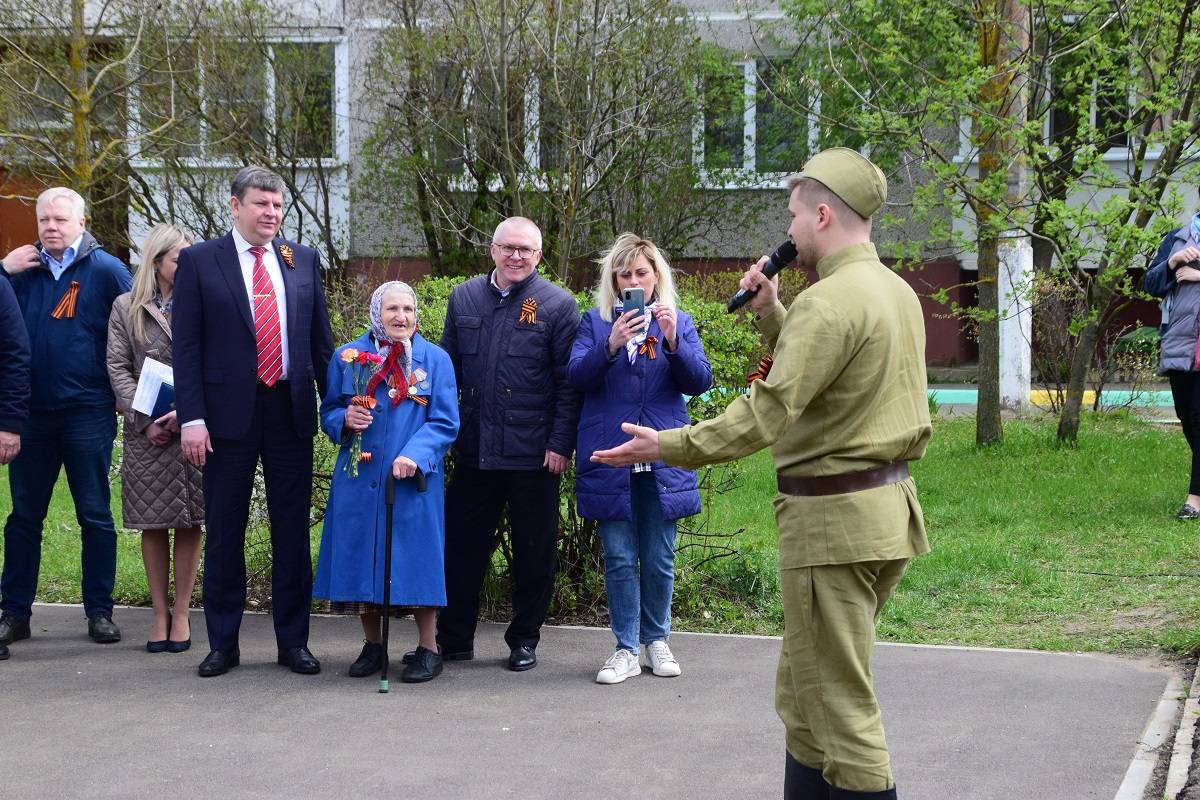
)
(634, 298)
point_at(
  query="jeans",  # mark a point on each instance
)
(639, 600)
(81, 440)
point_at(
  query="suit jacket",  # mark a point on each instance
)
(216, 356)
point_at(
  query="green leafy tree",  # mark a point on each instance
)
(576, 114)
(1094, 100)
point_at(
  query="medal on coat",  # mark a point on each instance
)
(286, 252)
(66, 307)
(528, 312)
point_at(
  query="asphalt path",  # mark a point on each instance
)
(81, 720)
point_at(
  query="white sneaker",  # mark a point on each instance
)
(660, 659)
(620, 665)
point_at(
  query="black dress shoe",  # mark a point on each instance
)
(178, 647)
(462, 655)
(299, 660)
(3, 652)
(218, 662)
(156, 647)
(370, 661)
(102, 630)
(426, 665)
(459, 654)
(13, 629)
(521, 659)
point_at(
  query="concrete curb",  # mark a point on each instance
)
(1158, 730)
(1181, 754)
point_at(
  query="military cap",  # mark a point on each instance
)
(848, 174)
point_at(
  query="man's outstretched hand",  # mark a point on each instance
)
(642, 448)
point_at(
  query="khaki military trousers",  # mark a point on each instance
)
(823, 691)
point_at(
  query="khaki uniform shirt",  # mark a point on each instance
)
(847, 393)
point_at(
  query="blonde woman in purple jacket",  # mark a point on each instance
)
(636, 368)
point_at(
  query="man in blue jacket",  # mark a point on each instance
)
(65, 286)
(509, 334)
(14, 391)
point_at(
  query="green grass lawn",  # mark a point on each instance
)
(1034, 545)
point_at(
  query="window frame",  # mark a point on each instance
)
(340, 111)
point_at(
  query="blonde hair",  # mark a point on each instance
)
(161, 239)
(619, 258)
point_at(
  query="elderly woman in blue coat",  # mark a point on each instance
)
(636, 368)
(411, 426)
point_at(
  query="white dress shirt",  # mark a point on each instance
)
(246, 260)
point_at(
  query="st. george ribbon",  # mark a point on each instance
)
(783, 255)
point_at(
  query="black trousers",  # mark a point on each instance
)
(287, 461)
(1185, 390)
(475, 500)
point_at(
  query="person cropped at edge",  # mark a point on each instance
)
(14, 390)
(1174, 275)
(160, 490)
(251, 343)
(509, 334)
(843, 410)
(65, 285)
(411, 427)
(635, 368)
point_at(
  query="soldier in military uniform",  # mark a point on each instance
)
(843, 410)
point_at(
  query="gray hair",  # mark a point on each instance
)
(524, 222)
(78, 206)
(255, 178)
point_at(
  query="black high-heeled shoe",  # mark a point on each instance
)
(157, 647)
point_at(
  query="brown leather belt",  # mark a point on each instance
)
(815, 486)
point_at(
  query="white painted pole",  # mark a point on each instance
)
(1016, 320)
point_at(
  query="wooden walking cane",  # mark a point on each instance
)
(389, 500)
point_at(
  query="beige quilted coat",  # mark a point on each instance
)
(159, 488)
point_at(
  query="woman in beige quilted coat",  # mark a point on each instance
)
(160, 490)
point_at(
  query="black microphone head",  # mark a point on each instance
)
(784, 254)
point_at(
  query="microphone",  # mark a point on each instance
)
(783, 255)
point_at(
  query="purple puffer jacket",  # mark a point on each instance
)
(647, 392)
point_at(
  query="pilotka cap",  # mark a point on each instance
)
(845, 172)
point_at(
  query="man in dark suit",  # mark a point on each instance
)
(251, 336)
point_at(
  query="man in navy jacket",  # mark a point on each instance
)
(65, 286)
(509, 334)
(14, 391)
(251, 347)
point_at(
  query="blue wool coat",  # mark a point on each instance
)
(647, 392)
(350, 566)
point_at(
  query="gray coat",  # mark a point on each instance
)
(159, 488)
(1180, 306)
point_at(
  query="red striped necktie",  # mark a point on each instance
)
(267, 330)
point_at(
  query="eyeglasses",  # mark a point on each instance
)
(520, 252)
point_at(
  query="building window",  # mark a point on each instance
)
(280, 98)
(758, 123)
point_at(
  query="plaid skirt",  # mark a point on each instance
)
(359, 607)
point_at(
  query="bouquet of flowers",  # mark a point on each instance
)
(362, 365)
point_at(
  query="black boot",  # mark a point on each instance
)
(803, 783)
(845, 794)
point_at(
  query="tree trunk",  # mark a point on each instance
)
(1081, 359)
(988, 427)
